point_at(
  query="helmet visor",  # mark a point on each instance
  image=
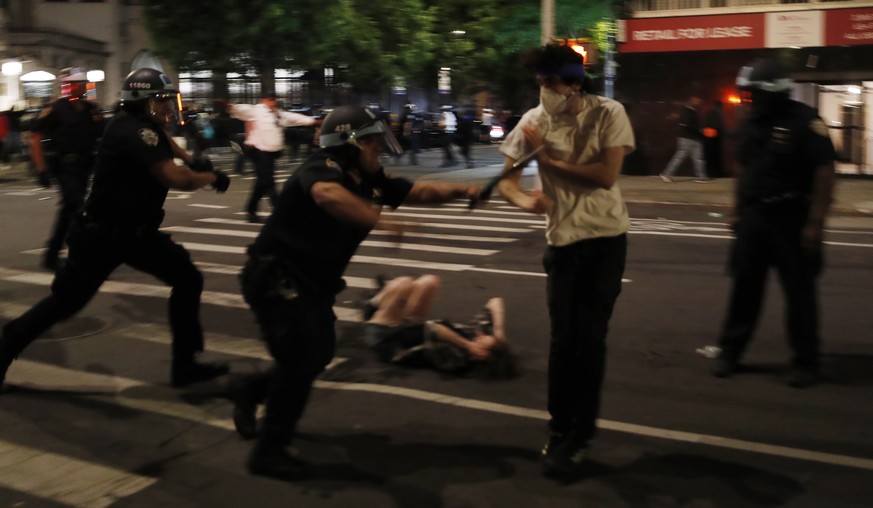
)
(165, 108)
(390, 144)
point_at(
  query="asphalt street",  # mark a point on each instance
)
(90, 419)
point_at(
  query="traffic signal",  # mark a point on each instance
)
(583, 46)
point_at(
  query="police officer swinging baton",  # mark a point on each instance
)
(518, 165)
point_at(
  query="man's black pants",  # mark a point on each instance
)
(265, 183)
(771, 236)
(72, 176)
(584, 281)
(301, 338)
(95, 252)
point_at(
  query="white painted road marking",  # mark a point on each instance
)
(64, 479)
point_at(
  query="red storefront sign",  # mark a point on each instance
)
(694, 33)
(848, 27)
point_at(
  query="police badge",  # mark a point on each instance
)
(148, 136)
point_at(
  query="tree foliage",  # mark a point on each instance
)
(371, 45)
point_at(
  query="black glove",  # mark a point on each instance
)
(221, 183)
(42, 178)
(201, 165)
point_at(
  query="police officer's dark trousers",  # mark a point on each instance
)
(72, 172)
(300, 336)
(770, 235)
(95, 251)
(265, 183)
(584, 281)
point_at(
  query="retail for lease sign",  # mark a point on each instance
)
(849, 27)
(693, 33)
(794, 29)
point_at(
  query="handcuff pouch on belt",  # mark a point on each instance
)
(267, 277)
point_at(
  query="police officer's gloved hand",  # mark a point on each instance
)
(42, 178)
(201, 164)
(222, 182)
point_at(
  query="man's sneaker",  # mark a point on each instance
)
(566, 458)
(185, 373)
(725, 367)
(245, 409)
(276, 463)
(801, 377)
(666, 179)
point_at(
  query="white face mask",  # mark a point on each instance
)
(554, 103)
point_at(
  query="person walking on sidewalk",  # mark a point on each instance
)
(120, 225)
(689, 144)
(585, 139)
(265, 140)
(71, 126)
(295, 266)
(784, 190)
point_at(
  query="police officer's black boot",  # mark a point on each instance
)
(270, 458)
(186, 371)
(8, 353)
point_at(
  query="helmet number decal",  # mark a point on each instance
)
(139, 85)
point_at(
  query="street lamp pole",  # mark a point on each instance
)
(547, 15)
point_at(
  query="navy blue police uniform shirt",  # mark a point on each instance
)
(124, 192)
(71, 130)
(780, 153)
(315, 245)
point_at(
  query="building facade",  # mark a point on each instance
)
(38, 38)
(669, 50)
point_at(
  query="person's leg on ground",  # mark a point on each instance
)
(421, 298)
(392, 302)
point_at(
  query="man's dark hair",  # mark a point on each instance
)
(557, 60)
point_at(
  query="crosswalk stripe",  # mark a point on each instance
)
(435, 225)
(464, 210)
(211, 231)
(435, 236)
(470, 217)
(466, 227)
(136, 289)
(375, 232)
(410, 263)
(65, 480)
(429, 248)
(230, 249)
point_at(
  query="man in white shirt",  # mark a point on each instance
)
(265, 137)
(585, 139)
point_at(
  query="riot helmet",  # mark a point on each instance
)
(74, 82)
(152, 93)
(347, 124)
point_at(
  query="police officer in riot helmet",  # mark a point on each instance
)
(62, 143)
(784, 187)
(119, 225)
(295, 269)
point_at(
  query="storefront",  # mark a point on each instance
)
(664, 61)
